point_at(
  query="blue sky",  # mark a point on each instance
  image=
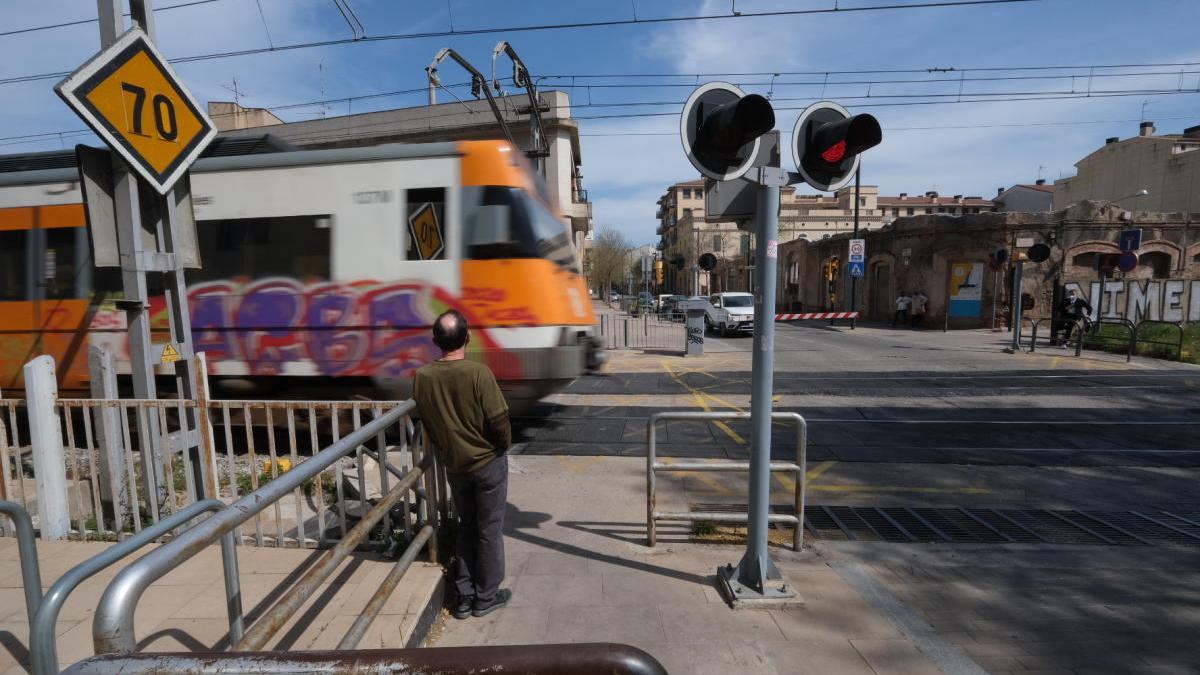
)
(965, 148)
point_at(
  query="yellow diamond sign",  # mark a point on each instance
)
(129, 95)
(426, 233)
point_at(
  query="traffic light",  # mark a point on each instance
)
(720, 129)
(658, 272)
(678, 261)
(827, 269)
(835, 267)
(708, 262)
(827, 141)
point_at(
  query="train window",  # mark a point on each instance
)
(531, 230)
(12, 265)
(296, 247)
(426, 224)
(60, 269)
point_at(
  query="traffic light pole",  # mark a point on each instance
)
(753, 576)
(854, 279)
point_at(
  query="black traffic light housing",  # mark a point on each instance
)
(707, 262)
(827, 142)
(720, 127)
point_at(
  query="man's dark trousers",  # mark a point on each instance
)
(480, 499)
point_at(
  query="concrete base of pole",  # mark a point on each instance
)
(777, 593)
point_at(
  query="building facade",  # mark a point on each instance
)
(459, 120)
(950, 258)
(684, 233)
(1166, 166)
(1026, 197)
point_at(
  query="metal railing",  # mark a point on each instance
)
(644, 331)
(577, 659)
(31, 575)
(43, 645)
(1097, 333)
(1077, 330)
(117, 486)
(113, 627)
(1176, 345)
(654, 516)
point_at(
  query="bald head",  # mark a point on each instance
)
(450, 331)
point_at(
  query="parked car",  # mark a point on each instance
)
(646, 301)
(669, 305)
(614, 297)
(730, 313)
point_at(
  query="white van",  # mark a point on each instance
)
(730, 312)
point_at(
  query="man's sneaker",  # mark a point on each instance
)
(484, 608)
(462, 608)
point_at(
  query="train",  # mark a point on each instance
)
(321, 271)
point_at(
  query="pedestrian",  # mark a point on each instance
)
(903, 302)
(920, 302)
(466, 419)
(1071, 309)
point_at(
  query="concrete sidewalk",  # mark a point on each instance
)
(580, 572)
(185, 610)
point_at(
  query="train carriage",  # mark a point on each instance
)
(322, 271)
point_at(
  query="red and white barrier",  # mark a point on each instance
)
(816, 315)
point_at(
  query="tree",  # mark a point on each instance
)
(610, 253)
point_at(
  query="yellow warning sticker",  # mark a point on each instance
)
(426, 233)
(170, 354)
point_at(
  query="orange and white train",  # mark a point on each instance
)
(322, 271)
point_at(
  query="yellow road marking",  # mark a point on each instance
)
(900, 488)
(698, 397)
(821, 468)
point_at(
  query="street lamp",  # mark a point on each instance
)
(1140, 193)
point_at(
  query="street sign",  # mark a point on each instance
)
(856, 268)
(129, 95)
(425, 231)
(1128, 261)
(858, 251)
(1131, 240)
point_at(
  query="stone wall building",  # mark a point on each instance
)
(919, 253)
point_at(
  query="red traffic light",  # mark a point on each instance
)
(827, 141)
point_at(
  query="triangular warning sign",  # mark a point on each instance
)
(169, 353)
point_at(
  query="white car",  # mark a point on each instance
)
(730, 313)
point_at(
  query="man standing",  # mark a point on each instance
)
(903, 302)
(920, 303)
(466, 418)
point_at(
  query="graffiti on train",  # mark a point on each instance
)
(282, 326)
(1141, 299)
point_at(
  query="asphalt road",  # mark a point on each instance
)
(936, 412)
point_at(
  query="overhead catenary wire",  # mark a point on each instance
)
(552, 26)
(80, 22)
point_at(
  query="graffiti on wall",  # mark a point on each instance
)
(1143, 299)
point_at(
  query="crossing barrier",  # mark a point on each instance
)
(804, 316)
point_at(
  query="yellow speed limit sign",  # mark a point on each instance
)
(131, 98)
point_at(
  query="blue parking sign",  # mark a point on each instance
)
(1130, 240)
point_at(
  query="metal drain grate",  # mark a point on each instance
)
(1152, 526)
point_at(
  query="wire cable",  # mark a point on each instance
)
(81, 22)
(555, 26)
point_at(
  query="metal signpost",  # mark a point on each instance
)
(722, 129)
(130, 97)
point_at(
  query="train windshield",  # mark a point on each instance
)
(509, 223)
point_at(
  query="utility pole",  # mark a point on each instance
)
(854, 279)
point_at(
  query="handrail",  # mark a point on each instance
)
(31, 575)
(113, 627)
(798, 467)
(43, 646)
(1177, 345)
(265, 627)
(578, 659)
